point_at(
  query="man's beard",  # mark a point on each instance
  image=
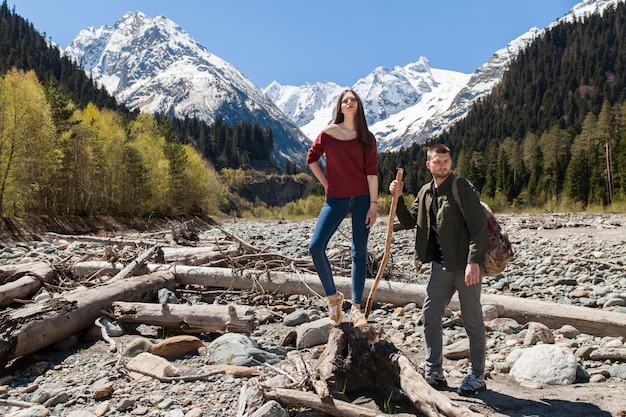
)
(439, 176)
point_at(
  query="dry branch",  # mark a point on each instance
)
(134, 265)
(387, 251)
(428, 400)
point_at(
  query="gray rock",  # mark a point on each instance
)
(229, 338)
(165, 296)
(234, 353)
(490, 312)
(296, 318)
(538, 333)
(137, 346)
(611, 302)
(47, 391)
(36, 411)
(270, 409)
(618, 371)
(457, 350)
(503, 325)
(60, 398)
(567, 331)
(313, 334)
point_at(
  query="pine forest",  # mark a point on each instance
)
(552, 134)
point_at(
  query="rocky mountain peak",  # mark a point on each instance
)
(153, 65)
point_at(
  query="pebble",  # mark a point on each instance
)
(574, 259)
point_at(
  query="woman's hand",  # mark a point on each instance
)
(370, 217)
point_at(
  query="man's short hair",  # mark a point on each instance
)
(437, 148)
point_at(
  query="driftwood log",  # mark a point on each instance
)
(35, 326)
(197, 318)
(198, 255)
(310, 400)
(21, 281)
(587, 320)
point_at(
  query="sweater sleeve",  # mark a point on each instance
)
(371, 160)
(316, 150)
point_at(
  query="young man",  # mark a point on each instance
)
(455, 245)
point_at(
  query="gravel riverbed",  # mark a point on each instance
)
(575, 259)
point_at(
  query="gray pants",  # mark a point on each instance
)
(441, 287)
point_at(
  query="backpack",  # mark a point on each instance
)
(499, 249)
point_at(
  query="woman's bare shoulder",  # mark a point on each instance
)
(332, 129)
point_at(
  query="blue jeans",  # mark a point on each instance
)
(332, 214)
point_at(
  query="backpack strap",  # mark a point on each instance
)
(457, 197)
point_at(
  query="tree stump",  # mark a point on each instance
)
(362, 359)
(354, 359)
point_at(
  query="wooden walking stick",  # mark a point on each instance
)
(383, 262)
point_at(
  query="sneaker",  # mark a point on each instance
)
(435, 379)
(471, 385)
(357, 318)
(334, 309)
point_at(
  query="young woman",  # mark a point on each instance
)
(351, 185)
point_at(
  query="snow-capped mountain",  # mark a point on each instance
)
(403, 105)
(411, 104)
(153, 65)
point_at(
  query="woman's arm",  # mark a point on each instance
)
(372, 185)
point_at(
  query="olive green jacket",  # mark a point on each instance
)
(463, 241)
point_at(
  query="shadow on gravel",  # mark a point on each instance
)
(507, 405)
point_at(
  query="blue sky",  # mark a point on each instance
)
(305, 41)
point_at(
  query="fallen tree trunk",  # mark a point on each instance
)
(587, 320)
(27, 280)
(198, 318)
(90, 268)
(33, 327)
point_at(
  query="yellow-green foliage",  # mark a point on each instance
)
(98, 162)
(203, 184)
(307, 207)
(145, 138)
(27, 142)
(497, 204)
(234, 178)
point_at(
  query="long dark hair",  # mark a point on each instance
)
(363, 133)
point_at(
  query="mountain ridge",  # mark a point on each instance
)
(154, 65)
